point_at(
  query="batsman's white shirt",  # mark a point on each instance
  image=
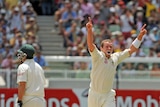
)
(103, 69)
(31, 73)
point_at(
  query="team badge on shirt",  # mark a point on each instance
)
(105, 61)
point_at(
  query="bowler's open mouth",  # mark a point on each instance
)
(108, 52)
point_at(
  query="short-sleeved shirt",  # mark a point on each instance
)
(67, 14)
(103, 69)
(126, 27)
(87, 9)
(41, 61)
(33, 74)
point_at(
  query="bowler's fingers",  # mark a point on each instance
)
(143, 26)
(89, 19)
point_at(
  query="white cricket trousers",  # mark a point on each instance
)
(33, 101)
(96, 99)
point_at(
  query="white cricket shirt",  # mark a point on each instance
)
(103, 69)
(31, 73)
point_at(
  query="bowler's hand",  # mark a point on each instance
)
(143, 30)
(89, 24)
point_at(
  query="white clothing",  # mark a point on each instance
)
(31, 73)
(103, 69)
(126, 27)
(33, 101)
(101, 99)
(103, 72)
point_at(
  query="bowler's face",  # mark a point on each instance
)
(107, 48)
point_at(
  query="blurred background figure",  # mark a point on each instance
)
(16, 19)
(155, 70)
(46, 6)
(8, 62)
(39, 58)
(83, 71)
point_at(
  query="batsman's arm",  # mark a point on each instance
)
(137, 42)
(90, 38)
(21, 90)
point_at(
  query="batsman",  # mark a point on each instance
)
(30, 79)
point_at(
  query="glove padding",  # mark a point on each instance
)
(19, 103)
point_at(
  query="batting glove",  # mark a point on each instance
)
(19, 103)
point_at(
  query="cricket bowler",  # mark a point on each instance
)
(104, 63)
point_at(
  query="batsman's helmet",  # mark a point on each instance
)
(26, 50)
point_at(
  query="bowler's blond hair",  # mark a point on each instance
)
(105, 40)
